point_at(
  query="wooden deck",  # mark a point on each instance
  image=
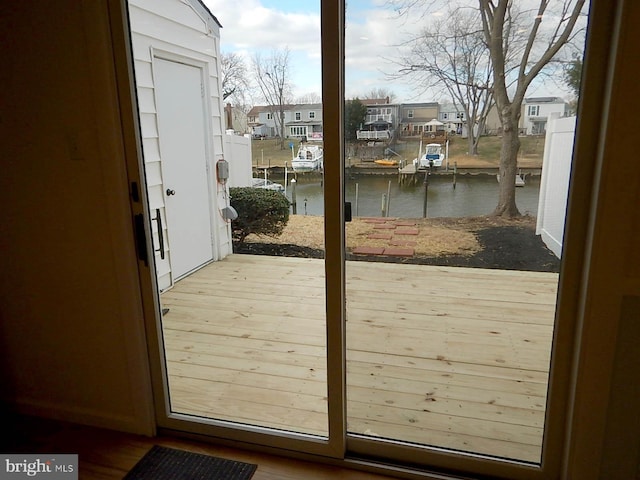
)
(451, 357)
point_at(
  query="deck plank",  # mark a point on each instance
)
(451, 357)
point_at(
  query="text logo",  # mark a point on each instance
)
(47, 466)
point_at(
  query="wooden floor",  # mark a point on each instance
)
(444, 356)
(109, 455)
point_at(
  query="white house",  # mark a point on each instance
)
(453, 117)
(381, 120)
(262, 120)
(306, 121)
(300, 121)
(536, 112)
(176, 49)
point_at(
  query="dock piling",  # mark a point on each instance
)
(455, 171)
(293, 196)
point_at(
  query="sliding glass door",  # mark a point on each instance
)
(412, 304)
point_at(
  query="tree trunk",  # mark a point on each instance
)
(472, 142)
(508, 169)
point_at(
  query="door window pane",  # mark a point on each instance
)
(453, 259)
(243, 316)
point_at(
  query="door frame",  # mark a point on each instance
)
(586, 177)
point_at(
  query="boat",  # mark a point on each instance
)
(266, 184)
(386, 163)
(519, 180)
(310, 158)
(433, 156)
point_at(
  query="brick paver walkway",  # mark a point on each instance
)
(398, 234)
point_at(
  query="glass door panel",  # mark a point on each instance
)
(243, 327)
(454, 252)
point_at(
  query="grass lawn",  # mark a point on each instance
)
(267, 152)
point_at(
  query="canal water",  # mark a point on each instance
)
(473, 195)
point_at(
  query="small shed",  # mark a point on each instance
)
(176, 53)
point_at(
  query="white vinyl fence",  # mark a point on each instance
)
(237, 151)
(554, 184)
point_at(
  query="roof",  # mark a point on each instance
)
(544, 100)
(374, 101)
(268, 108)
(304, 122)
(421, 105)
(201, 8)
(255, 111)
(307, 106)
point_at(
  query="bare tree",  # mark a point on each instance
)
(272, 76)
(451, 55)
(309, 98)
(541, 43)
(234, 75)
(522, 42)
(380, 93)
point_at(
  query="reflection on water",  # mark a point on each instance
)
(473, 195)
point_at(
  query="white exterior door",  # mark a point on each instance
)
(182, 137)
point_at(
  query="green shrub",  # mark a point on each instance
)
(260, 211)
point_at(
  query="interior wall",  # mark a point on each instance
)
(72, 337)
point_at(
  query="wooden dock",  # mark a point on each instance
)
(408, 175)
(452, 357)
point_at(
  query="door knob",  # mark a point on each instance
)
(170, 192)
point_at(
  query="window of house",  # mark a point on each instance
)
(269, 116)
(298, 116)
(410, 114)
(298, 131)
(312, 115)
(534, 110)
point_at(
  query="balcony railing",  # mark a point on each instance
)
(374, 117)
(373, 134)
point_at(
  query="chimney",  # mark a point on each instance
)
(229, 116)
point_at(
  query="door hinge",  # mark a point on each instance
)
(135, 192)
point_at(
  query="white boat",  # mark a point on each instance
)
(519, 180)
(309, 158)
(266, 184)
(433, 156)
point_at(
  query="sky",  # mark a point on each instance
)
(373, 36)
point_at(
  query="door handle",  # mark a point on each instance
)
(158, 219)
(347, 212)
(170, 192)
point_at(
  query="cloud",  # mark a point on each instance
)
(248, 25)
(374, 38)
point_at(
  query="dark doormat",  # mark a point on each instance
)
(161, 463)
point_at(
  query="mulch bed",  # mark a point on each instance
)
(503, 247)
